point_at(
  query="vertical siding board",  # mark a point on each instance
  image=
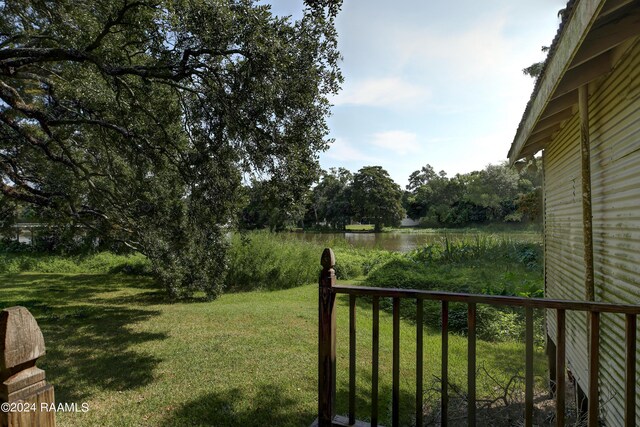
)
(616, 178)
(564, 240)
(615, 166)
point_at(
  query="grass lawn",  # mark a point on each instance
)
(246, 359)
(359, 227)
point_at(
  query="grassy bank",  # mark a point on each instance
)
(248, 359)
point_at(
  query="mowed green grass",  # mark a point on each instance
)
(359, 227)
(245, 359)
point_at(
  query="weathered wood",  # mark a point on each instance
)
(21, 382)
(551, 121)
(532, 149)
(560, 367)
(594, 367)
(471, 365)
(352, 359)
(375, 360)
(444, 372)
(630, 371)
(550, 351)
(587, 221)
(619, 27)
(499, 300)
(594, 309)
(543, 135)
(585, 73)
(395, 386)
(612, 6)
(326, 341)
(560, 103)
(419, 362)
(528, 381)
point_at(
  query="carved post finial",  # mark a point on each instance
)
(328, 259)
(21, 344)
(21, 340)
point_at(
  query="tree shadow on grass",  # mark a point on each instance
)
(267, 406)
(363, 402)
(88, 338)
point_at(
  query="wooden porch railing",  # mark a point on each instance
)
(327, 350)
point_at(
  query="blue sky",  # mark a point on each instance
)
(431, 81)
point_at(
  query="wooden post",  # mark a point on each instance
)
(587, 216)
(23, 389)
(587, 219)
(327, 341)
(551, 361)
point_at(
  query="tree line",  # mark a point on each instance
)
(495, 194)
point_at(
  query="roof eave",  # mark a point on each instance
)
(584, 15)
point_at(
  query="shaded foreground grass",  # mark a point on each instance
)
(245, 359)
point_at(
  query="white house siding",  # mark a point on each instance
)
(615, 177)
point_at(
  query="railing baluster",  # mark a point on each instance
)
(374, 361)
(471, 365)
(395, 399)
(327, 355)
(630, 371)
(419, 367)
(327, 341)
(444, 373)
(594, 355)
(528, 376)
(560, 366)
(352, 359)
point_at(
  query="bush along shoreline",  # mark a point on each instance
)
(480, 264)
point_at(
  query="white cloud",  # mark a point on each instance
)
(344, 151)
(483, 51)
(397, 141)
(382, 92)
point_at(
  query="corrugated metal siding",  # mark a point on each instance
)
(615, 177)
(564, 240)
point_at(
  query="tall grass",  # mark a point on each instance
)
(269, 261)
(266, 261)
(99, 263)
(475, 264)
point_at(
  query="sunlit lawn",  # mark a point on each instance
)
(247, 359)
(359, 227)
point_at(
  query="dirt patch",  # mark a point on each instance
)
(504, 408)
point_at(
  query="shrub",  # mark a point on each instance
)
(262, 260)
(100, 263)
(493, 266)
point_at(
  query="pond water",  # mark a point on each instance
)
(407, 241)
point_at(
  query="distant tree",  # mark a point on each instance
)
(432, 195)
(138, 119)
(376, 197)
(330, 200)
(421, 177)
(529, 202)
(494, 188)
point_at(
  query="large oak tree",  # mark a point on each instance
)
(138, 119)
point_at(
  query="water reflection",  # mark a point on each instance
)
(405, 242)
